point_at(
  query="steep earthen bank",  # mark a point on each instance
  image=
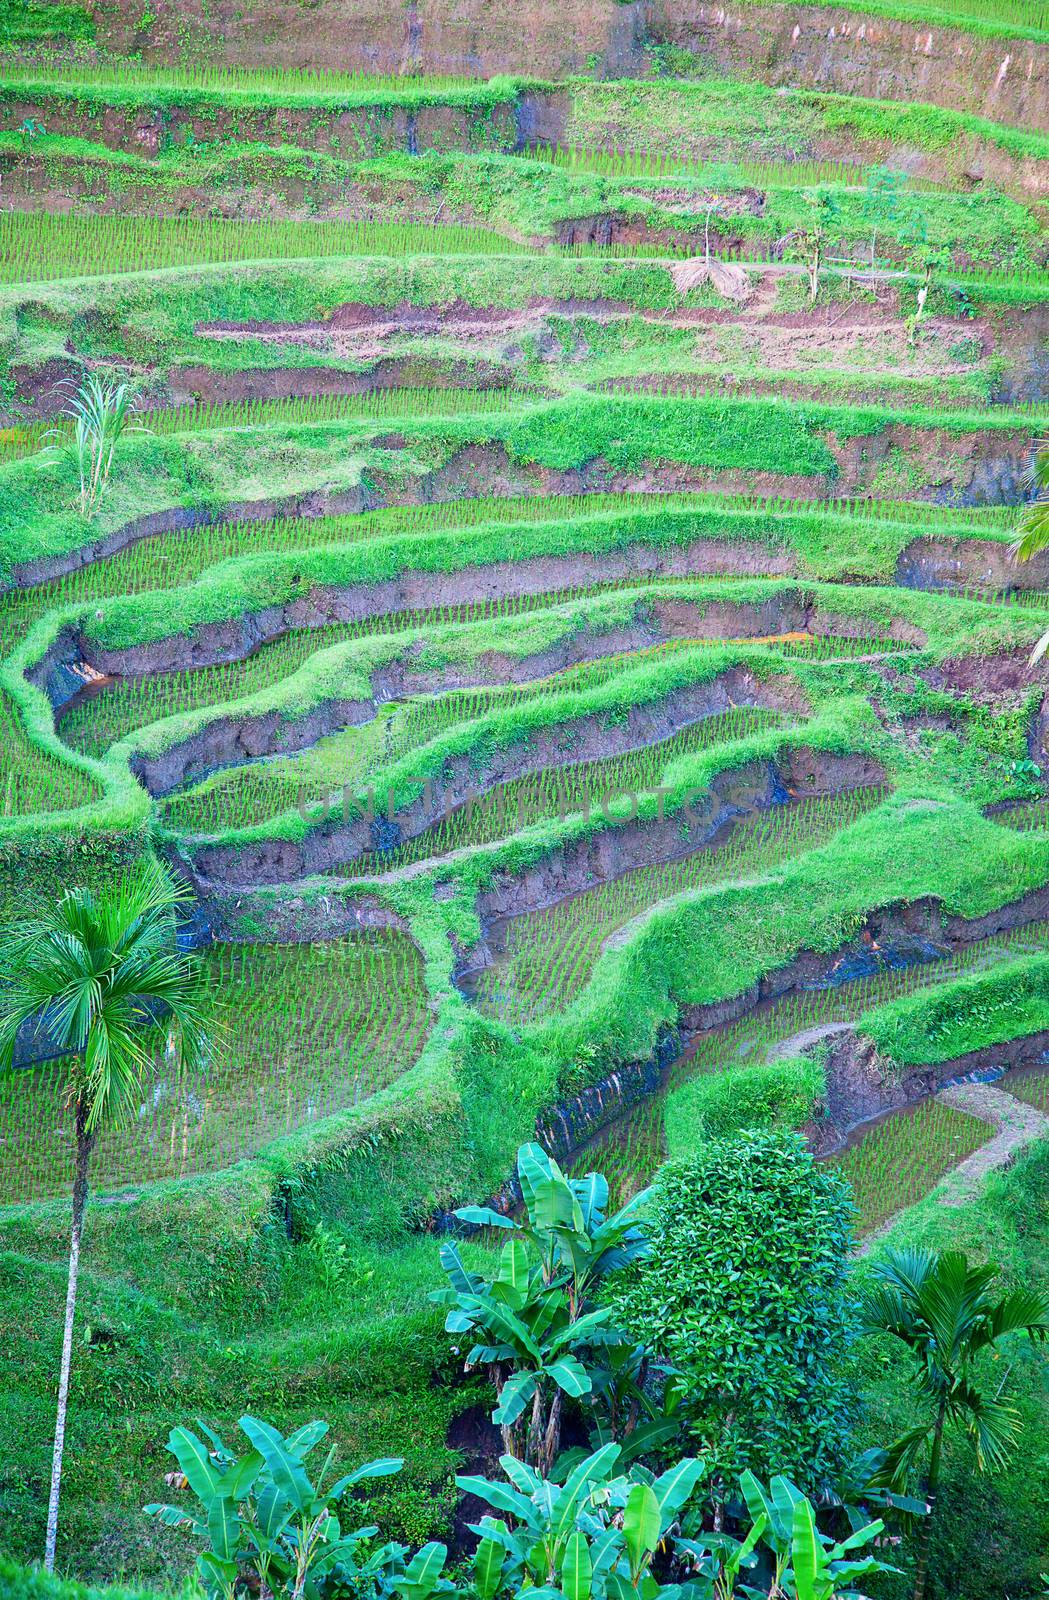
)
(340, 836)
(847, 50)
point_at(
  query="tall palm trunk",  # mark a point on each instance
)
(932, 1485)
(84, 1144)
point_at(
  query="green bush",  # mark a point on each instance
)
(761, 1334)
(778, 1094)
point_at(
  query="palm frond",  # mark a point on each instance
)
(99, 975)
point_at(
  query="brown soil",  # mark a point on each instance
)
(338, 840)
(230, 741)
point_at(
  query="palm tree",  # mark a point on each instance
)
(1034, 530)
(94, 974)
(943, 1310)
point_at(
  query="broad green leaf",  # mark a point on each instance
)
(757, 1532)
(285, 1469)
(488, 1568)
(784, 1498)
(422, 1572)
(533, 1168)
(385, 1467)
(570, 1375)
(757, 1501)
(219, 1576)
(239, 1479)
(484, 1217)
(452, 1263)
(641, 1525)
(302, 1441)
(582, 1328)
(192, 1456)
(673, 1488)
(513, 1397)
(513, 1265)
(521, 1475)
(170, 1516)
(592, 1195)
(506, 1325)
(861, 1536)
(223, 1527)
(806, 1553)
(273, 1511)
(499, 1495)
(576, 1568)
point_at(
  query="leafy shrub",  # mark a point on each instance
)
(780, 1094)
(758, 1335)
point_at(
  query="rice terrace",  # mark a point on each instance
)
(524, 800)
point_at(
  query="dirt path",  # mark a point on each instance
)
(798, 1042)
(1017, 1125)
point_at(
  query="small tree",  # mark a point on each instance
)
(534, 1320)
(822, 210)
(945, 1313)
(881, 200)
(744, 1294)
(94, 974)
(100, 413)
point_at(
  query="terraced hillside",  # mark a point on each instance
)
(555, 608)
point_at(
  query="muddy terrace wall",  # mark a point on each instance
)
(852, 52)
(478, 38)
(343, 836)
(349, 131)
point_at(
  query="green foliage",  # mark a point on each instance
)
(967, 1014)
(594, 1532)
(760, 1336)
(943, 1311)
(264, 1518)
(535, 1323)
(780, 1094)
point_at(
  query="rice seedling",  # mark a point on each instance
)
(901, 1158)
(206, 417)
(684, 385)
(653, 164)
(38, 246)
(578, 788)
(634, 1145)
(226, 81)
(300, 1031)
(549, 955)
(31, 780)
(1031, 1085)
(1030, 816)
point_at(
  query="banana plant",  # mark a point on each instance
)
(774, 1508)
(261, 1514)
(820, 1569)
(718, 1559)
(533, 1323)
(592, 1537)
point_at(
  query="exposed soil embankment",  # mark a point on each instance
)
(340, 838)
(475, 471)
(892, 935)
(209, 644)
(230, 741)
(219, 386)
(861, 1085)
(341, 129)
(969, 564)
(854, 53)
(615, 849)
